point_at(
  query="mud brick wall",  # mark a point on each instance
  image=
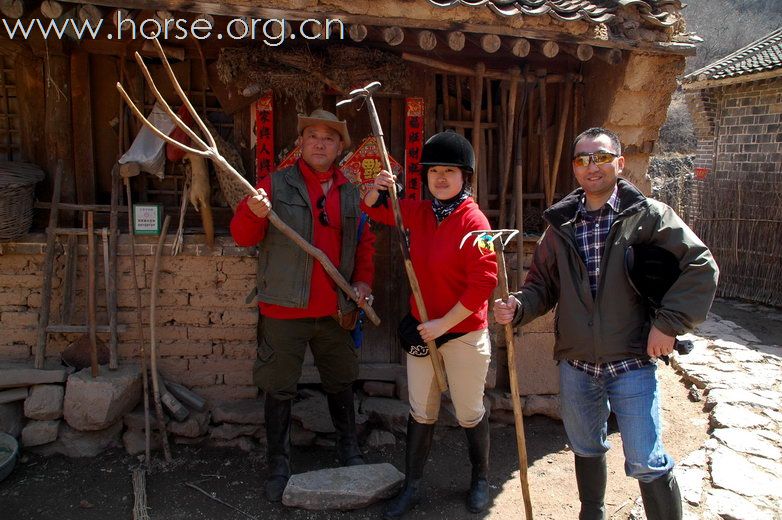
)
(205, 331)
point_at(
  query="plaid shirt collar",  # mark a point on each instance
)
(613, 203)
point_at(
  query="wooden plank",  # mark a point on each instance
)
(477, 99)
(18, 376)
(57, 125)
(30, 94)
(81, 116)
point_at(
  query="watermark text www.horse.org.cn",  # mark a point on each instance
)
(270, 31)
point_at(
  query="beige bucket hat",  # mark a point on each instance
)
(324, 117)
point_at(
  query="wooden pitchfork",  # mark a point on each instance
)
(365, 94)
(209, 150)
(501, 238)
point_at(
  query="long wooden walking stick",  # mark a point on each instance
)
(366, 95)
(209, 150)
(501, 237)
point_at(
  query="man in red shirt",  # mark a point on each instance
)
(299, 303)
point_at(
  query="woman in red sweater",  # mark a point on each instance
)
(456, 284)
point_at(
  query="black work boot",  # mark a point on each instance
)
(419, 441)
(662, 499)
(478, 441)
(343, 415)
(591, 477)
(278, 451)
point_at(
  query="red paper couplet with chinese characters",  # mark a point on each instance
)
(364, 164)
(264, 135)
(291, 158)
(414, 141)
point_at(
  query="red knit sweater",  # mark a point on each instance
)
(248, 230)
(446, 273)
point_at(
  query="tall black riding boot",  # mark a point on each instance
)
(278, 451)
(343, 414)
(478, 441)
(419, 441)
(591, 477)
(662, 499)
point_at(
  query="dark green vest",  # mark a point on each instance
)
(284, 269)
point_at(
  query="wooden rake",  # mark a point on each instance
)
(208, 149)
(365, 95)
(501, 238)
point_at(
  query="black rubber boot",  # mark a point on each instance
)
(419, 441)
(278, 451)
(478, 441)
(343, 415)
(591, 477)
(662, 499)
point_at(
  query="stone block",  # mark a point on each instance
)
(380, 438)
(246, 411)
(97, 403)
(11, 418)
(345, 488)
(547, 405)
(12, 395)
(75, 443)
(390, 413)
(301, 436)
(14, 375)
(243, 443)
(535, 367)
(36, 433)
(196, 425)
(228, 431)
(44, 402)
(313, 414)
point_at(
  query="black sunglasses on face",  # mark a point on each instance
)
(322, 216)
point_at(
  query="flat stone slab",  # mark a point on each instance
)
(344, 488)
(12, 376)
(75, 443)
(36, 433)
(12, 395)
(747, 441)
(729, 416)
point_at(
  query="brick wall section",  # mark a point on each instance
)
(738, 213)
(205, 332)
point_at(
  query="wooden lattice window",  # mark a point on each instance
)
(10, 145)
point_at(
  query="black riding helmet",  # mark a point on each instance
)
(449, 149)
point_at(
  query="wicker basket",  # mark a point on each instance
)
(17, 185)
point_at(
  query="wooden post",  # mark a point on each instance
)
(543, 135)
(393, 36)
(564, 109)
(610, 56)
(490, 43)
(357, 32)
(548, 48)
(13, 9)
(455, 40)
(510, 141)
(51, 9)
(91, 303)
(520, 47)
(81, 117)
(477, 99)
(427, 40)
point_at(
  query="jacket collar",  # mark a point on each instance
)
(564, 211)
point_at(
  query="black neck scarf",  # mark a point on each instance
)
(443, 208)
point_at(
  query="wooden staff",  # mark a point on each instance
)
(153, 342)
(509, 140)
(563, 120)
(543, 133)
(500, 237)
(480, 69)
(91, 311)
(434, 355)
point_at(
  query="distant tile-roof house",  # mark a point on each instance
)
(736, 104)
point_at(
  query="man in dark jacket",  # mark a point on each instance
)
(299, 304)
(607, 343)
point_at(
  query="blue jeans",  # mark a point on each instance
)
(633, 397)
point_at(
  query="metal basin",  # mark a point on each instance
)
(9, 451)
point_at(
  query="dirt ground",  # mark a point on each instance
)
(101, 488)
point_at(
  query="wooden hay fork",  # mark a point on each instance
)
(365, 94)
(209, 150)
(501, 238)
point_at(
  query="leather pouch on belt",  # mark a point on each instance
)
(347, 321)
